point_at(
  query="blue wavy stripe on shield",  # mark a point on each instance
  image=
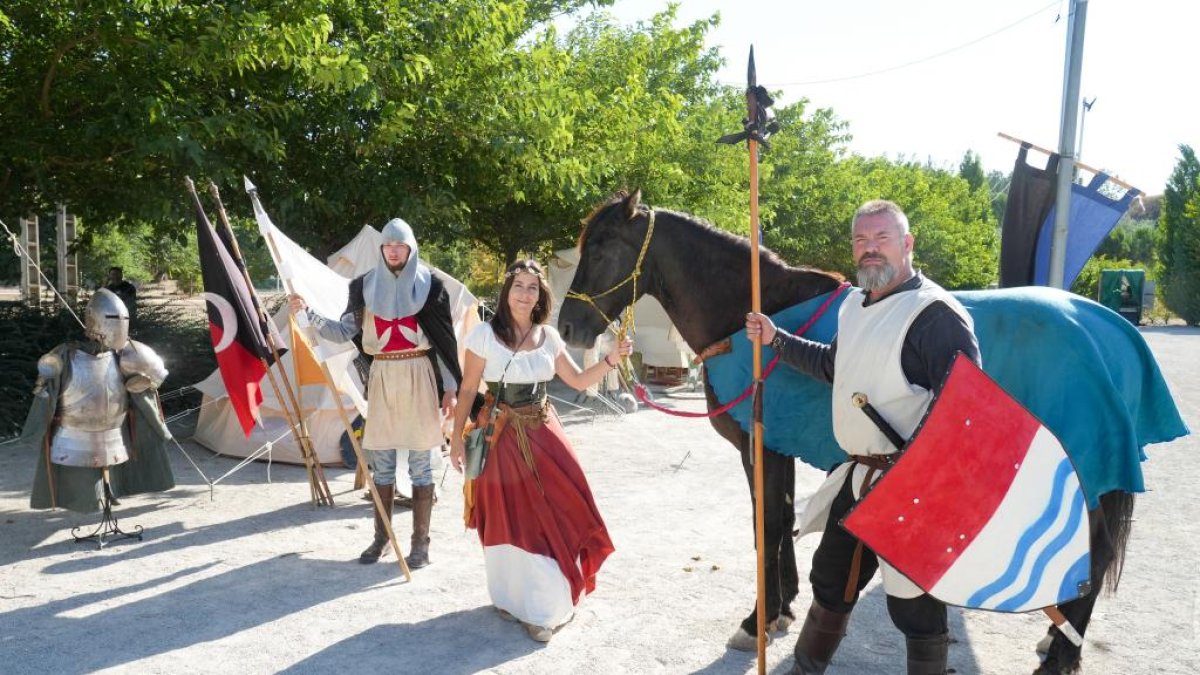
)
(1076, 575)
(1032, 533)
(1052, 549)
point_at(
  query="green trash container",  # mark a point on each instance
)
(1121, 291)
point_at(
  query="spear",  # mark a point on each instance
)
(756, 127)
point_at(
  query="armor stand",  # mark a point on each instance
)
(108, 527)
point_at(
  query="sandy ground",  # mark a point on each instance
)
(255, 580)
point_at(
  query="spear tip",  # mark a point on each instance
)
(249, 186)
(751, 76)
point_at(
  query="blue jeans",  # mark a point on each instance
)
(420, 466)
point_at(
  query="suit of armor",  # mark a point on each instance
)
(95, 407)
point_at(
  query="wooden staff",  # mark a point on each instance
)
(318, 487)
(337, 397)
(752, 113)
(757, 126)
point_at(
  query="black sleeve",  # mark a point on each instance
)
(438, 324)
(810, 357)
(355, 305)
(934, 339)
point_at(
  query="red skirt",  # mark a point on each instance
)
(543, 537)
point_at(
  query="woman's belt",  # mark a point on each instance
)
(521, 394)
(400, 356)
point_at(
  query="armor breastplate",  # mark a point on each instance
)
(91, 412)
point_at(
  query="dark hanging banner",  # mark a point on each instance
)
(1031, 196)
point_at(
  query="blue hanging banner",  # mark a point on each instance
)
(1093, 216)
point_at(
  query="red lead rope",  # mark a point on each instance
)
(640, 389)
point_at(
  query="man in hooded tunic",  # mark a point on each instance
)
(401, 313)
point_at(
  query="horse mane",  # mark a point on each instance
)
(768, 258)
(602, 210)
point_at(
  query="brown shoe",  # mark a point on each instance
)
(379, 544)
(538, 633)
(422, 512)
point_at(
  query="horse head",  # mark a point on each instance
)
(611, 253)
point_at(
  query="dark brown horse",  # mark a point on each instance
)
(700, 275)
(703, 312)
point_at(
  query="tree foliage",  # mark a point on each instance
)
(475, 120)
(970, 169)
(1131, 240)
(1179, 238)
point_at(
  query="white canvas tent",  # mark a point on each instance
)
(217, 426)
(656, 340)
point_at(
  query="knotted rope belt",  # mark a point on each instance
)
(522, 419)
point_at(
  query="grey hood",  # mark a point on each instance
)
(395, 296)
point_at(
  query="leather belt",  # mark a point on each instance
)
(877, 462)
(400, 356)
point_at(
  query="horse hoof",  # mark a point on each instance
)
(1055, 669)
(744, 642)
(1043, 646)
(782, 624)
(627, 402)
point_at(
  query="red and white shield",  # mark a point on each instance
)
(984, 509)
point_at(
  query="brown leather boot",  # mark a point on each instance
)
(379, 545)
(422, 510)
(927, 656)
(819, 638)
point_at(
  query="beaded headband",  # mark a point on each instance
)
(522, 267)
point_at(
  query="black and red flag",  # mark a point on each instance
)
(237, 337)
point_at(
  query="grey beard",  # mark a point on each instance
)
(876, 277)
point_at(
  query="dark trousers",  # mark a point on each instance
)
(920, 617)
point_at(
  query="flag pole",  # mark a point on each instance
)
(316, 473)
(337, 397)
(266, 367)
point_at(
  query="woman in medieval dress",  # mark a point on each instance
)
(542, 535)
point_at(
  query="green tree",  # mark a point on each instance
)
(1179, 239)
(1133, 240)
(998, 183)
(334, 106)
(971, 170)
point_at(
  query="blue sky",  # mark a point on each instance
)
(979, 68)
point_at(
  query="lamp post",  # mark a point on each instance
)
(1066, 141)
(1087, 106)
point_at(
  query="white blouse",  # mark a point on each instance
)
(536, 365)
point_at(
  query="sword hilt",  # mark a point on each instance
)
(860, 400)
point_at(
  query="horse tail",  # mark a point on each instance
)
(1117, 507)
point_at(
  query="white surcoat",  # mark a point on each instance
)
(870, 340)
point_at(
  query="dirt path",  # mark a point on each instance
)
(256, 581)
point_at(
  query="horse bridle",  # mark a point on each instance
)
(628, 325)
